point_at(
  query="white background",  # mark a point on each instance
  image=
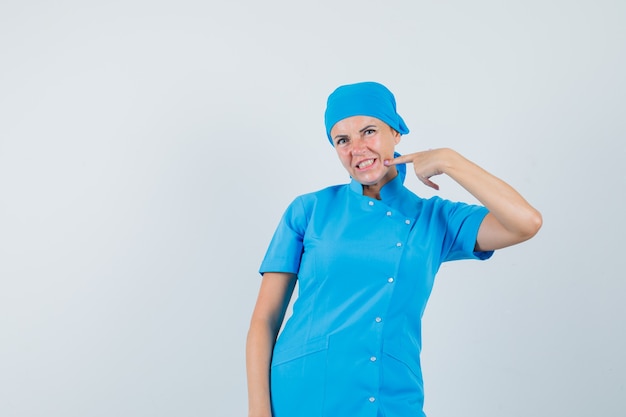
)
(148, 149)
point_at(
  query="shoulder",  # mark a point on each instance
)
(324, 194)
(442, 203)
(304, 204)
(445, 209)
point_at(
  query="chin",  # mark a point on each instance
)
(369, 180)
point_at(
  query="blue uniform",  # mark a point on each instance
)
(365, 271)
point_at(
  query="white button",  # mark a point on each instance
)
(398, 244)
(407, 221)
(371, 203)
(390, 280)
(373, 359)
(378, 319)
(388, 213)
(372, 399)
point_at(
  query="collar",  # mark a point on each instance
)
(389, 191)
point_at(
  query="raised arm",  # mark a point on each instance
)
(511, 219)
(267, 317)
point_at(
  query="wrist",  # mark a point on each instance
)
(448, 160)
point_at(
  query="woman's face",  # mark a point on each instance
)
(363, 143)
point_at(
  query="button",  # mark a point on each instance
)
(388, 213)
(371, 203)
(378, 319)
(373, 359)
(390, 280)
(372, 399)
(399, 244)
(407, 221)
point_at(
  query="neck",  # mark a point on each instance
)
(373, 190)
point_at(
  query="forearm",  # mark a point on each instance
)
(259, 347)
(267, 317)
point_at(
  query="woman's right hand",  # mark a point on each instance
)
(267, 317)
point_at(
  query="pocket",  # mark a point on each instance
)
(406, 346)
(412, 363)
(282, 355)
(402, 381)
(298, 379)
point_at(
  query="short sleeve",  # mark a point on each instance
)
(285, 248)
(463, 222)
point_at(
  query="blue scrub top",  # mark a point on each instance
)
(365, 271)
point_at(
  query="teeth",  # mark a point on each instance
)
(365, 164)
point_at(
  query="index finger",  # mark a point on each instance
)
(402, 159)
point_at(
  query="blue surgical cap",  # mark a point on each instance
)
(363, 99)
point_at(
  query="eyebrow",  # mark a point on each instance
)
(367, 128)
(360, 131)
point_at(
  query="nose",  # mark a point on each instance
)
(358, 147)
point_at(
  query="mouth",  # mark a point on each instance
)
(366, 164)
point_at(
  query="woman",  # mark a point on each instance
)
(365, 255)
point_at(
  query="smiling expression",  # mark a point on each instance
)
(363, 143)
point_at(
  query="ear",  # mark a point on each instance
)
(397, 137)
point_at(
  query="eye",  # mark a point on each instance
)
(341, 141)
(369, 132)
